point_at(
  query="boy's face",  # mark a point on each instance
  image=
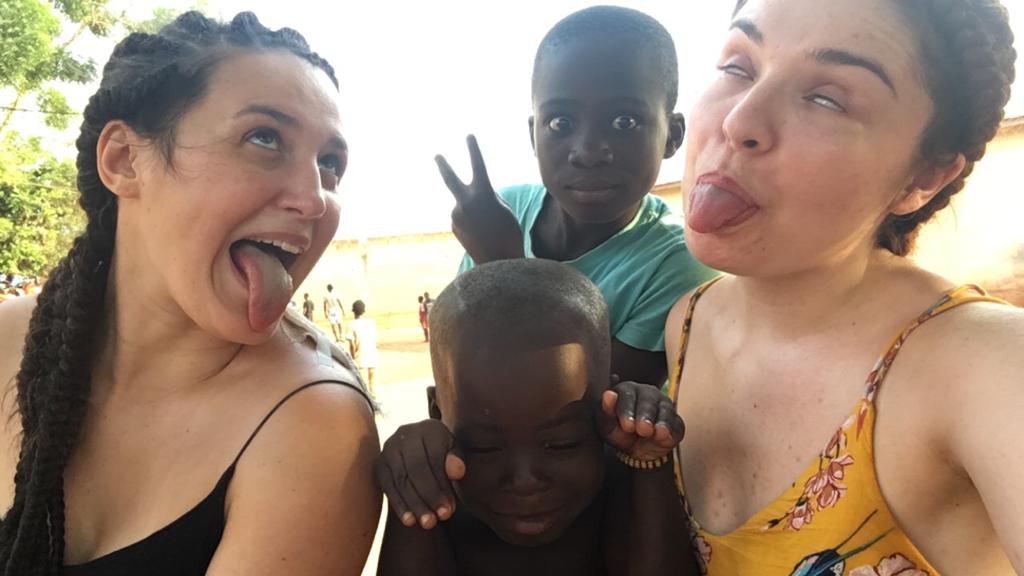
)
(524, 421)
(600, 127)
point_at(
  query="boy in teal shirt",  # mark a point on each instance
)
(605, 83)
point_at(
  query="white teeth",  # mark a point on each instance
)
(289, 248)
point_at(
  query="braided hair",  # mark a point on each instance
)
(967, 54)
(967, 58)
(150, 82)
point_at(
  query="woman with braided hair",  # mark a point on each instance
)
(163, 413)
(848, 413)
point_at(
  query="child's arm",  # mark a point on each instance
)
(409, 468)
(483, 223)
(646, 530)
(638, 365)
(413, 551)
(416, 468)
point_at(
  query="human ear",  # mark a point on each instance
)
(116, 159)
(926, 185)
(676, 131)
(432, 408)
(533, 138)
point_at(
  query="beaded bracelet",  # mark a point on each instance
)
(638, 464)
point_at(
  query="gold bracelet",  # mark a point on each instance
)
(638, 464)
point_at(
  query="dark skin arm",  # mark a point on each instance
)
(645, 507)
(636, 365)
(411, 461)
(413, 551)
(646, 530)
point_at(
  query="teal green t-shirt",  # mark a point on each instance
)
(641, 271)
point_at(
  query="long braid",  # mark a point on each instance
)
(149, 82)
(968, 57)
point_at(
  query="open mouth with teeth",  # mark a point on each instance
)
(285, 253)
(265, 268)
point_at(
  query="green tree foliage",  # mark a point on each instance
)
(34, 56)
(39, 214)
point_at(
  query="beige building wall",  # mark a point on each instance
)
(386, 273)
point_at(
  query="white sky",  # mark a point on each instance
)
(416, 77)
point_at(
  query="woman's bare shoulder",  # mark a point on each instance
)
(300, 352)
(970, 352)
(990, 333)
(15, 314)
(14, 319)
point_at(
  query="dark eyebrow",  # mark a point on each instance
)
(335, 141)
(558, 103)
(844, 58)
(750, 29)
(268, 111)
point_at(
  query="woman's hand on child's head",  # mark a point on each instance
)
(640, 420)
(415, 470)
(481, 221)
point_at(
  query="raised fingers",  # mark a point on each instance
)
(480, 177)
(455, 185)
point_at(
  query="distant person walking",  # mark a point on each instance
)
(428, 303)
(307, 307)
(362, 342)
(335, 313)
(423, 319)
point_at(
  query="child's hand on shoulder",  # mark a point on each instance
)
(415, 470)
(639, 420)
(482, 222)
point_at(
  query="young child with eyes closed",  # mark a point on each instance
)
(534, 459)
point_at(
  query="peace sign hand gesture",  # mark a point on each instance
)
(483, 223)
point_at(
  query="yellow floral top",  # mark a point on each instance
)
(833, 520)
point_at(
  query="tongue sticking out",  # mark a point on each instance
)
(270, 286)
(712, 208)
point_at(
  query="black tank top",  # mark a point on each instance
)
(186, 546)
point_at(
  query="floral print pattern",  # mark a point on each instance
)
(895, 565)
(823, 489)
(703, 551)
(831, 493)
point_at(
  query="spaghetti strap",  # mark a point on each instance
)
(285, 399)
(684, 337)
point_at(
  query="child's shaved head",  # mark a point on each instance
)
(624, 24)
(520, 350)
(514, 305)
